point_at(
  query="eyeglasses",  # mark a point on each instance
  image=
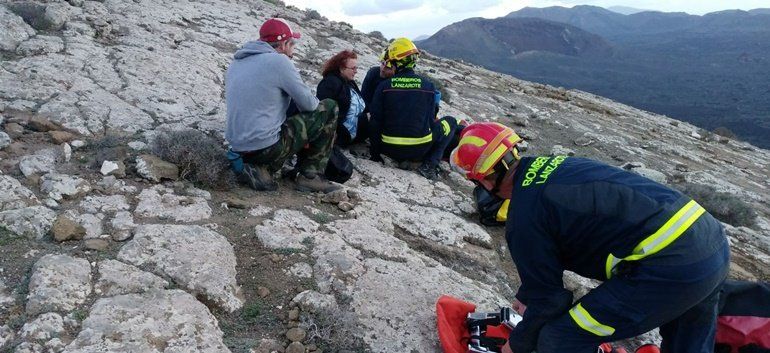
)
(354, 68)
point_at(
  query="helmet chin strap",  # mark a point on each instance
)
(509, 159)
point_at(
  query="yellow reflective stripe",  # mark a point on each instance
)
(407, 141)
(446, 127)
(514, 139)
(491, 147)
(665, 235)
(612, 261)
(502, 213)
(473, 140)
(498, 153)
(670, 231)
(493, 158)
(588, 323)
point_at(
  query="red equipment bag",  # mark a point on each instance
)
(453, 334)
(743, 325)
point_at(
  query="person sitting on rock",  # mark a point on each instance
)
(375, 75)
(403, 110)
(260, 85)
(339, 84)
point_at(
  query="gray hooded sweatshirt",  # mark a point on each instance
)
(259, 86)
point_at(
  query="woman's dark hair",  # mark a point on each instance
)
(337, 61)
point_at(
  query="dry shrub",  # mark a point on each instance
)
(378, 35)
(201, 159)
(311, 14)
(725, 207)
(724, 132)
(333, 331)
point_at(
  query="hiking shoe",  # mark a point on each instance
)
(405, 165)
(257, 177)
(315, 184)
(429, 171)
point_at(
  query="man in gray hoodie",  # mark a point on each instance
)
(260, 86)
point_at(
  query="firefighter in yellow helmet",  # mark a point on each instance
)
(403, 114)
(662, 258)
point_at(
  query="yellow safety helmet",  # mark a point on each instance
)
(384, 55)
(384, 58)
(401, 48)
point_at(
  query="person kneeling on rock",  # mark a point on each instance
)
(662, 258)
(260, 86)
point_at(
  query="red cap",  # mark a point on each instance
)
(276, 30)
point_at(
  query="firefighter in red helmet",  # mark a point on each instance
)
(662, 258)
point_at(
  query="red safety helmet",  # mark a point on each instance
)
(481, 147)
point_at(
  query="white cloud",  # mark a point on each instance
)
(404, 18)
(374, 7)
(466, 6)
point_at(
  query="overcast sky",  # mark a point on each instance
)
(412, 18)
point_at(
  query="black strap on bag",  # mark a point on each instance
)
(339, 169)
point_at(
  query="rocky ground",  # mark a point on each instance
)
(104, 249)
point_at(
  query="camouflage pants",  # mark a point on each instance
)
(309, 135)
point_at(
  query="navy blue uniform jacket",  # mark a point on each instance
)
(371, 81)
(569, 213)
(403, 106)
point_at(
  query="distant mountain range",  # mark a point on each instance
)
(711, 70)
(495, 42)
(625, 10)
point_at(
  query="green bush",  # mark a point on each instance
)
(200, 158)
(725, 207)
(321, 217)
(252, 311)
